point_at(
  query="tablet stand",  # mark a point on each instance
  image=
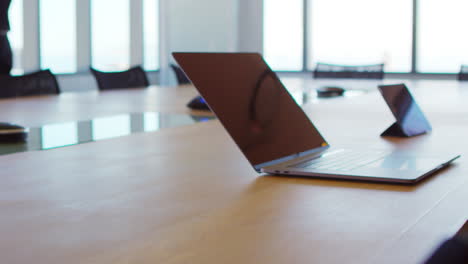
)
(410, 120)
(394, 130)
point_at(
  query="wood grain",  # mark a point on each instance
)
(187, 195)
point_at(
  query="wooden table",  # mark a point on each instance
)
(187, 195)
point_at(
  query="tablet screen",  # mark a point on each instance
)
(405, 109)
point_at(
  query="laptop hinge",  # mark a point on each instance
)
(259, 167)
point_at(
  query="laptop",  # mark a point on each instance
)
(274, 133)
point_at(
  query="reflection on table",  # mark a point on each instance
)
(78, 132)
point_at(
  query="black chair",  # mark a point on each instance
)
(180, 75)
(132, 78)
(463, 74)
(37, 83)
(325, 70)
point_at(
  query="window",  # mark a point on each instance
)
(283, 34)
(442, 39)
(58, 35)
(339, 31)
(361, 32)
(151, 34)
(54, 43)
(16, 35)
(110, 22)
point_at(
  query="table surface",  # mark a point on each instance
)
(187, 195)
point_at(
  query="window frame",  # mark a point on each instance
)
(414, 52)
(31, 59)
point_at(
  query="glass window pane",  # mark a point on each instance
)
(283, 34)
(151, 34)
(16, 35)
(58, 35)
(361, 32)
(442, 39)
(110, 22)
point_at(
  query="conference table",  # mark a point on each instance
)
(186, 194)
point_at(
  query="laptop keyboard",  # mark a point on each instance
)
(342, 160)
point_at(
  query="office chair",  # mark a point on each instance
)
(37, 83)
(325, 70)
(180, 75)
(463, 74)
(132, 78)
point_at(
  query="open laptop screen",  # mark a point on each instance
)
(252, 104)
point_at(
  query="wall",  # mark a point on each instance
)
(250, 31)
(202, 25)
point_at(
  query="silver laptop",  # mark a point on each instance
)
(275, 134)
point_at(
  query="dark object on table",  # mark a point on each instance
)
(198, 103)
(10, 133)
(463, 74)
(132, 78)
(410, 120)
(330, 91)
(37, 83)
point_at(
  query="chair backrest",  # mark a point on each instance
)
(326, 70)
(37, 83)
(463, 74)
(180, 75)
(132, 78)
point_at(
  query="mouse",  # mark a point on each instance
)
(12, 133)
(330, 91)
(198, 103)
